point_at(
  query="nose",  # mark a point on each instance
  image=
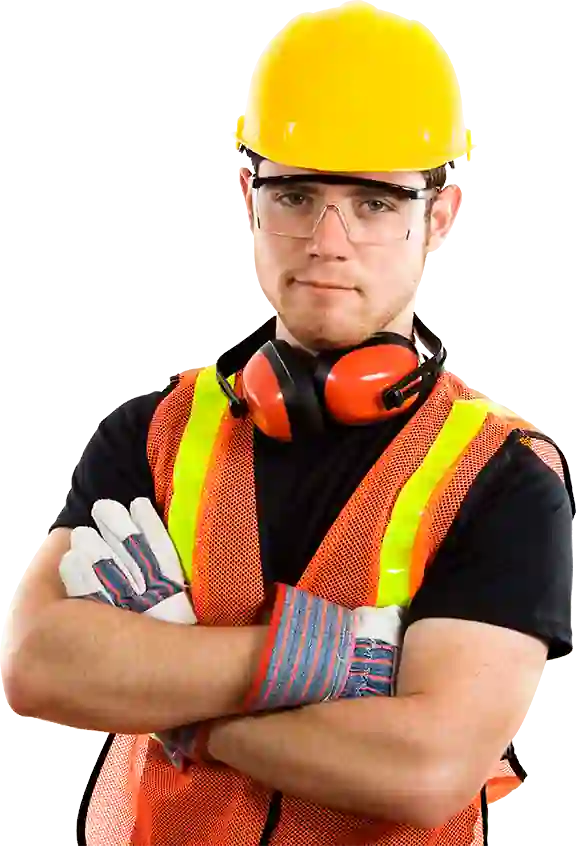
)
(330, 236)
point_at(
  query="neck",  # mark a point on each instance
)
(402, 324)
(284, 334)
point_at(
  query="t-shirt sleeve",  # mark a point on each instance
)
(114, 464)
(507, 558)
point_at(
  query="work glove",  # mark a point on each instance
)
(318, 651)
(132, 564)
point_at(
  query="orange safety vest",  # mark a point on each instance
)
(375, 553)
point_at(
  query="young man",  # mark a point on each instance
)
(323, 481)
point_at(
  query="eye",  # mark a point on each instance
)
(378, 205)
(291, 199)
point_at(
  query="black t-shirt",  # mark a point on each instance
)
(506, 560)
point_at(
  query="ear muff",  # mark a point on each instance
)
(278, 386)
(353, 386)
(289, 392)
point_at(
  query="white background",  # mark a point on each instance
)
(118, 220)
(121, 246)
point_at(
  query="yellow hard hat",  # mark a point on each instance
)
(355, 88)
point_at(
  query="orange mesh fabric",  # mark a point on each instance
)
(448, 497)
(165, 434)
(355, 538)
(111, 813)
(299, 828)
(227, 587)
(543, 446)
(230, 479)
(356, 535)
(139, 799)
(503, 780)
(547, 452)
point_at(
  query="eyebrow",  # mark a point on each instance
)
(381, 190)
(301, 186)
(353, 190)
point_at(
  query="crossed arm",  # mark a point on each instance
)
(463, 691)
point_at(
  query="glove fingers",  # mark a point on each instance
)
(76, 570)
(149, 523)
(175, 609)
(98, 550)
(115, 525)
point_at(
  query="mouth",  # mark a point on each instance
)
(323, 286)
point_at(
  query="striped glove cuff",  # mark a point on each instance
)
(373, 671)
(307, 654)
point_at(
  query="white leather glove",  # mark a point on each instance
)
(131, 564)
(380, 623)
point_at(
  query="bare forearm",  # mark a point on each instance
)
(368, 756)
(91, 666)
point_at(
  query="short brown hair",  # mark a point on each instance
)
(435, 178)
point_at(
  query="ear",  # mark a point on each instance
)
(245, 175)
(444, 211)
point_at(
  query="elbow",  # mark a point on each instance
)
(428, 812)
(17, 695)
(440, 797)
(28, 675)
(20, 686)
(428, 795)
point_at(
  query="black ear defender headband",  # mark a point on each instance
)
(289, 392)
(234, 360)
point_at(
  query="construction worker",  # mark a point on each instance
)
(344, 569)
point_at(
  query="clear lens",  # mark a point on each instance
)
(369, 215)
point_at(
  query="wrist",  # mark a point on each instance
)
(202, 753)
(221, 736)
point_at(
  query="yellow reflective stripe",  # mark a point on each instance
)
(462, 425)
(208, 407)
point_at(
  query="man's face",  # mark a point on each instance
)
(330, 292)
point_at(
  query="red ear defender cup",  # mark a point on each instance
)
(278, 388)
(353, 386)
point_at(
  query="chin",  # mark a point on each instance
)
(330, 325)
(328, 337)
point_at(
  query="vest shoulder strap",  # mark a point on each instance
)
(551, 454)
(543, 446)
(165, 432)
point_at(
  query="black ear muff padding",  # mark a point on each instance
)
(294, 369)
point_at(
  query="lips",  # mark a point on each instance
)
(323, 286)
